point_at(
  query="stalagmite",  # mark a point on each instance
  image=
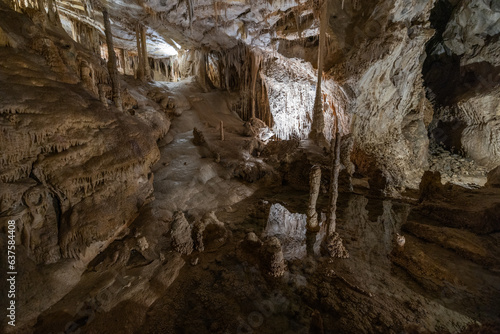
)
(332, 205)
(333, 243)
(272, 257)
(190, 7)
(345, 157)
(102, 95)
(222, 130)
(314, 184)
(318, 121)
(113, 71)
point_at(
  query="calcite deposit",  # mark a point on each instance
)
(278, 166)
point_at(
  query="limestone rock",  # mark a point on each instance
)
(215, 233)
(273, 260)
(494, 178)
(181, 234)
(333, 246)
(430, 186)
(199, 138)
(468, 94)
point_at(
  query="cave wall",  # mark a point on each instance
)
(463, 79)
(378, 51)
(65, 154)
(376, 54)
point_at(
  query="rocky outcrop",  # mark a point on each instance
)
(78, 154)
(180, 232)
(391, 109)
(273, 260)
(463, 76)
(74, 172)
(494, 178)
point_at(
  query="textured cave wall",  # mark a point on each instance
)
(463, 79)
(380, 48)
(377, 52)
(65, 155)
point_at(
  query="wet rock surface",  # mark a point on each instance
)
(455, 168)
(213, 170)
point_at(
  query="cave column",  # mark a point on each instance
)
(144, 50)
(201, 60)
(113, 71)
(140, 67)
(318, 122)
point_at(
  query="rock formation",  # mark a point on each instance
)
(138, 136)
(314, 184)
(181, 234)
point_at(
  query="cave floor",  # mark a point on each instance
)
(378, 289)
(139, 284)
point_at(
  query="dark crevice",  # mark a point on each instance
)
(446, 80)
(441, 69)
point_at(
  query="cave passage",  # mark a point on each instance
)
(210, 166)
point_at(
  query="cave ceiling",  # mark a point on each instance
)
(187, 24)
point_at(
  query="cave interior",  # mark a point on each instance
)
(257, 166)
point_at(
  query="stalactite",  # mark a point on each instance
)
(318, 122)
(51, 12)
(297, 22)
(256, 60)
(41, 6)
(122, 61)
(113, 72)
(190, 13)
(216, 13)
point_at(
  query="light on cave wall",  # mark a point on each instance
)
(166, 50)
(158, 47)
(291, 90)
(290, 229)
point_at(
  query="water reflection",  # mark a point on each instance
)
(290, 229)
(368, 227)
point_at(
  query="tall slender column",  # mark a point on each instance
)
(140, 66)
(147, 72)
(113, 71)
(318, 122)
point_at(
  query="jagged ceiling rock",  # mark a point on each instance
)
(191, 24)
(375, 54)
(473, 32)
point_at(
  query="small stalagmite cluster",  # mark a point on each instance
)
(267, 166)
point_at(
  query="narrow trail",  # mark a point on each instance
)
(187, 177)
